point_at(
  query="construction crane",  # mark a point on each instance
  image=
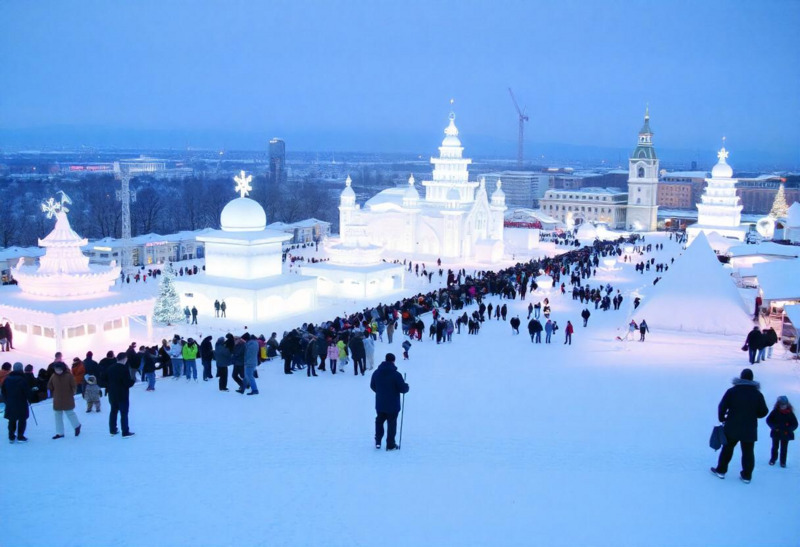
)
(522, 119)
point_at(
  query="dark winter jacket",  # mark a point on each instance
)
(16, 394)
(222, 354)
(740, 408)
(781, 423)
(272, 348)
(357, 349)
(92, 367)
(206, 350)
(388, 384)
(755, 339)
(534, 326)
(770, 337)
(148, 362)
(237, 359)
(104, 365)
(118, 382)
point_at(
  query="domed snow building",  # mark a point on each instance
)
(244, 267)
(65, 304)
(455, 220)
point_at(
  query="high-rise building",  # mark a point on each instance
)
(277, 160)
(522, 188)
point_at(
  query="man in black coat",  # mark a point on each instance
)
(92, 367)
(118, 385)
(16, 394)
(740, 408)
(388, 384)
(754, 342)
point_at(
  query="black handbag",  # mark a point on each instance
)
(718, 439)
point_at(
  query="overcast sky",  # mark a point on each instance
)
(374, 75)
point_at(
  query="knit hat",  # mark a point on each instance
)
(746, 374)
(390, 357)
(91, 379)
(18, 367)
(782, 400)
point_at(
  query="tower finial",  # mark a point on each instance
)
(452, 113)
(647, 111)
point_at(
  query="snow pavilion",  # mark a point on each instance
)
(244, 265)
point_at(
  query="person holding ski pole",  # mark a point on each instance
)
(388, 384)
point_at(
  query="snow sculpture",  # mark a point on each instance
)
(64, 272)
(720, 209)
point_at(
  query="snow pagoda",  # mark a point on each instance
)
(456, 218)
(63, 303)
(721, 209)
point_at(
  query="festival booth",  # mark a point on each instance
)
(778, 286)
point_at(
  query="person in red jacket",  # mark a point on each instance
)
(782, 423)
(568, 330)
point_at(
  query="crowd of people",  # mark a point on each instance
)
(350, 339)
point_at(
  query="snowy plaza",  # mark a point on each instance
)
(505, 442)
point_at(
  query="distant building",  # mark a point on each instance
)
(574, 207)
(277, 161)
(675, 195)
(522, 188)
(310, 230)
(758, 193)
(673, 186)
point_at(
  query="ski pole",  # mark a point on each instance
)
(402, 415)
(30, 406)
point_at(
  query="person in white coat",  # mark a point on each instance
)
(369, 348)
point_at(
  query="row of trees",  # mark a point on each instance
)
(161, 206)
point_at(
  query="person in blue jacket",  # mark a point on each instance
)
(388, 384)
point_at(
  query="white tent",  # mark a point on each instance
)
(696, 294)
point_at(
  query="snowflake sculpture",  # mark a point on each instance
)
(51, 207)
(243, 183)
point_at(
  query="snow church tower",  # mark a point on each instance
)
(642, 214)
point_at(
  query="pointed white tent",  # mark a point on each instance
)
(696, 294)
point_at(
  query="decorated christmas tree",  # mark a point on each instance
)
(168, 305)
(779, 207)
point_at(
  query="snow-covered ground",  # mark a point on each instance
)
(504, 443)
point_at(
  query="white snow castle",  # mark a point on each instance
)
(456, 220)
